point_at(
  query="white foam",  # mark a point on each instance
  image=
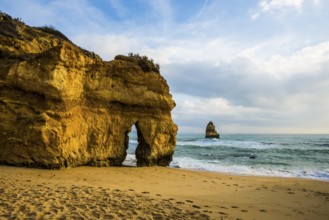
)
(200, 142)
(214, 166)
(227, 143)
(249, 144)
(130, 160)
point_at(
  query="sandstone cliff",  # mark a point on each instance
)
(211, 131)
(62, 106)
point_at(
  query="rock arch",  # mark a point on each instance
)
(154, 143)
(61, 106)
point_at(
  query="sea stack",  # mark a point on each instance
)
(211, 131)
(62, 106)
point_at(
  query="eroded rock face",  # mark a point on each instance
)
(61, 106)
(211, 131)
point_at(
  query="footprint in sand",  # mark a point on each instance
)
(190, 201)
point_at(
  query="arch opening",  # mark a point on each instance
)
(131, 144)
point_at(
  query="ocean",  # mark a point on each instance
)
(305, 156)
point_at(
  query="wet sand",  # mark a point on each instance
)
(156, 193)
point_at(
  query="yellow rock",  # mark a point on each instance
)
(62, 106)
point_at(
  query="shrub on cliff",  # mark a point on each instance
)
(52, 30)
(8, 25)
(145, 63)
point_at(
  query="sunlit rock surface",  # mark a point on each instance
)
(62, 106)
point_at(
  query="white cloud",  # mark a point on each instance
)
(194, 113)
(279, 5)
(163, 49)
(260, 89)
(211, 108)
(110, 45)
(282, 8)
(255, 16)
(306, 59)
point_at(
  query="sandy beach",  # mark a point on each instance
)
(156, 193)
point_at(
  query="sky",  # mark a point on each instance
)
(250, 66)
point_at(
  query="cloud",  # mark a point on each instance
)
(297, 104)
(252, 91)
(254, 16)
(306, 59)
(280, 8)
(279, 5)
(110, 45)
(193, 113)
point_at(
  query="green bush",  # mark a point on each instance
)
(52, 30)
(145, 63)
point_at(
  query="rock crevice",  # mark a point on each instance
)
(61, 106)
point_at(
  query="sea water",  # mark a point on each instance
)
(305, 156)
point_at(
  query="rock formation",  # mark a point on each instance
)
(62, 106)
(211, 131)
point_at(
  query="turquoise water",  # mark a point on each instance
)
(304, 156)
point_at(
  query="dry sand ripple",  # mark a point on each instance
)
(84, 202)
(156, 193)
